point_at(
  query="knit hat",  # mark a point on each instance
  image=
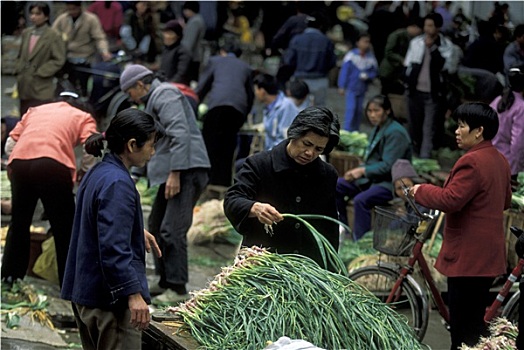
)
(174, 26)
(131, 75)
(402, 168)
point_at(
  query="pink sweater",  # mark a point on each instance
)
(52, 131)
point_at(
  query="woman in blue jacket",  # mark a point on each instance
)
(105, 276)
(370, 184)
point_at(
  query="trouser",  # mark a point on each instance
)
(77, 78)
(467, 301)
(220, 129)
(193, 71)
(103, 329)
(318, 87)
(52, 183)
(170, 220)
(391, 86)
(354, 111)
(364, 199)
(425, 119)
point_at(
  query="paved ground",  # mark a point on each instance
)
(201, 270)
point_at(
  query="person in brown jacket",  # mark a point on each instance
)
(42, 54)
(474, 197)
(85, 38)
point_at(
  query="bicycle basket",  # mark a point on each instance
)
(394, 234)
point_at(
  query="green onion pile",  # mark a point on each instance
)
(264, 296)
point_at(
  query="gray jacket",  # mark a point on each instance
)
(183, 147)
(193, 37)
(226, 81)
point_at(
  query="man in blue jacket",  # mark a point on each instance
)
(312, 55)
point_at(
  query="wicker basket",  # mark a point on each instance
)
(343, 161)
(394, 234)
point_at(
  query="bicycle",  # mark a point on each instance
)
(405, 235)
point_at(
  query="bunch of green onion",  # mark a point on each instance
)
(264, 296)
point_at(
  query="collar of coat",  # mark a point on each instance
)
(283, 162)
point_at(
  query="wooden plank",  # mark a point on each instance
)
(170, 336)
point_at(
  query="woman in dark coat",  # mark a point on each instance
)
(290, 178)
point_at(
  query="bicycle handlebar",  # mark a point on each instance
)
(423, 216)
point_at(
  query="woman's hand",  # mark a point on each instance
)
(139, 311)
(355, 173)
(265, 213)
(413, 190)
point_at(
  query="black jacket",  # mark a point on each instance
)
(275, 178)
(174, 63)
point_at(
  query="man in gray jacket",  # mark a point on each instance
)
(194, 32)
(180, 166)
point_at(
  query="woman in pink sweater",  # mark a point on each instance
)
(42, 166)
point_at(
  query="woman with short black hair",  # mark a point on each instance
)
(474, 198)
(289, 178)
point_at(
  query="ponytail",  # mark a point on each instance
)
(516, 84)
(94, 144)
(506, 100)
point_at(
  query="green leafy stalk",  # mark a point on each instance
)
(328, 253)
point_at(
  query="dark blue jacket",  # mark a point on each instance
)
(311, 53)
(106, 260)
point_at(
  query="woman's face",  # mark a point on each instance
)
(37, 17)
(465, 137)
(376, 114)
(169, 37)
(307, 148)
(141, 155)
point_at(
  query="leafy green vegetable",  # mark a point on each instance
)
(350, 249)
(353, 142)
(425, 166)
(147, 194)
(264, 296)
(517, 198)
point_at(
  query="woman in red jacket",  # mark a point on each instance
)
(474, 198)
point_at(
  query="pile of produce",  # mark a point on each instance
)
(517, 199)
(425, 166)
(210, 224)
(264, 296)
(22, 299)
(5, 185)
(353, 142)
(147, 194)
(503, 337)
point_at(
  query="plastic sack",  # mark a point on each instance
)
(285, 343)
(46, 265)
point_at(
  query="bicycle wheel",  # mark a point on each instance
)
(511, 310)
(380, 280)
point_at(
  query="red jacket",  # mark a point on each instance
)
(474, 197)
